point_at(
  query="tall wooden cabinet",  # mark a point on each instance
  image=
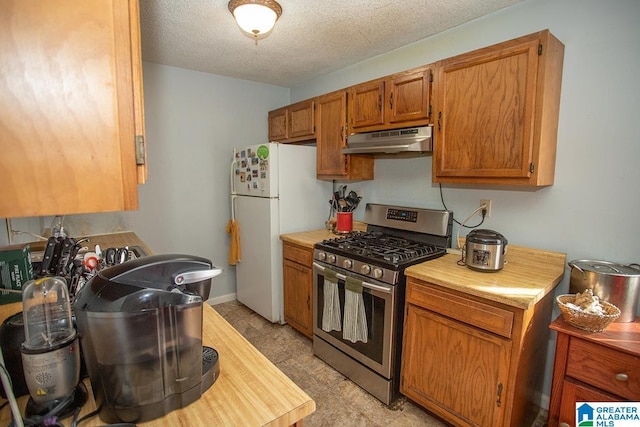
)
(331, 133)
(496, 113)
(72, 122)
(298, 287)
(398, 100)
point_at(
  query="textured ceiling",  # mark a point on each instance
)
(311, 38)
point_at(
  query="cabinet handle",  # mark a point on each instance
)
(564, 425)
(308, 301)
(391, 101)
(439, 117)
(341, 133)
(499, 401)
(622, 377)
(380, 102)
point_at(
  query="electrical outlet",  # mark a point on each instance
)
(486, 202)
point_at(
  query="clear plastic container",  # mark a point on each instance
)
(47, 314)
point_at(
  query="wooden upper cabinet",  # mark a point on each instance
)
(496, 113)
(278, 124)
(293, 123)
(72, 107)
(396, 101)
(331, 124)
(366, 104)
(302, 120)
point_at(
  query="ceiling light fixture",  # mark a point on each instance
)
(255, 17)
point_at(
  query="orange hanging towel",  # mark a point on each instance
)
(234, 248)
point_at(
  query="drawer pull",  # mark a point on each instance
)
(622, 377)
(564, 425)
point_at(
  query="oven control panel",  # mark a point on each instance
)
(357, 267)
(402, 215)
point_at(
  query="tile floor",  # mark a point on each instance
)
(339, 402)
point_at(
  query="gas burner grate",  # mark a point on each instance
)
(377, 246)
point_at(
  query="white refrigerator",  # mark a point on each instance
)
(274, 190)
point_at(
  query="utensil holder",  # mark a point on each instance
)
(344, 222)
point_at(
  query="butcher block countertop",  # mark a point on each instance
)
(309, 238)
(527, 276)
(250, 390)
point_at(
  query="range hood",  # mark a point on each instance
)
(415, 140)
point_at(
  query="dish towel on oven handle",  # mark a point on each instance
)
(331, 309)
(355, 319)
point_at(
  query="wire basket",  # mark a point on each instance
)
(587, 321)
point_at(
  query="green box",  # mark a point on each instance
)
(15, 270)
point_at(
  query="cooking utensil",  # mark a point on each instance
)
(616, 283)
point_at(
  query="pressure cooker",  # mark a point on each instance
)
(484, 250)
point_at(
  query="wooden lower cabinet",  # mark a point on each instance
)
(593, 367)
(463, 376)
(298, 287)
(473, 362)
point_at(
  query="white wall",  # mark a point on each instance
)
(193, 122)
(592, 210)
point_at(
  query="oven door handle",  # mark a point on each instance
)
(364, 284)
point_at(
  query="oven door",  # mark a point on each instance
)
(379, 302)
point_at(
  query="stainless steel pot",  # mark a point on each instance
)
(616, 283)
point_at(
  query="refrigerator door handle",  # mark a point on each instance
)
(232, 185)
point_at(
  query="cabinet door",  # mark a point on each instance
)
(331, 123)
(408, 96)
(366, 104)
(298, 282)
(301, 120)
(485, 113)
(70, 102)
(330, 135)
(278, 124)
(573, 392)
(497, 113)
(455, 371)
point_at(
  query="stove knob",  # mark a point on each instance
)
(377, 273)
(322, 256)
(347, 263)
(331, 258)
(365, 269)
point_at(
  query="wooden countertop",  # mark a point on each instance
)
(527, 276)
(309, 238)
(621, 336)
(250, 390)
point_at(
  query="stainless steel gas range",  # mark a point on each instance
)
(359, 292)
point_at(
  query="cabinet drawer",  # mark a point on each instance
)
(297, 254)
(464, 309)
(605, 368)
